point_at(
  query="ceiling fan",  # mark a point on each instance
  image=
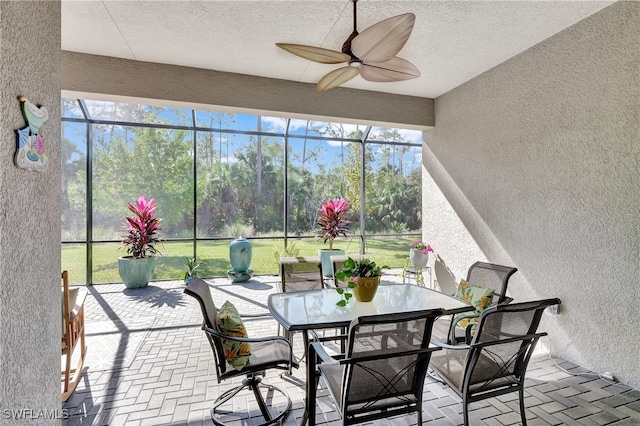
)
(371, 53)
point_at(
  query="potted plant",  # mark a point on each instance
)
(419, 254)
(192, 269)
(331, 223)
(362, 277)
(142, 235)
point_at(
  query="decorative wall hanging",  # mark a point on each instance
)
(31, 150)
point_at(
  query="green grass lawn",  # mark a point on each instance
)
(214, 257)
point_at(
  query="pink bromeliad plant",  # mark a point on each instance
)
(142, 229)
(332, 222)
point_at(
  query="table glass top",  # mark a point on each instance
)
(317, 308)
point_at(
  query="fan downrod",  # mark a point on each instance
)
(346, 46)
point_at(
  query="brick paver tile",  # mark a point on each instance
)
(162, 370)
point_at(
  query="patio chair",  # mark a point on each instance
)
(300, 273)
(261, 354)
(459, 328)
(72, 335)
(382, 372)
(495, 362)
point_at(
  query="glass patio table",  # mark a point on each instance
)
(317, 310)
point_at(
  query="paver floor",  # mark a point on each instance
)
(149, 363)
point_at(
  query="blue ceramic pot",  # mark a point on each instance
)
(325, 260)
(136, 273)
(240, 254)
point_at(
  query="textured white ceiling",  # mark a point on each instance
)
(452, 41)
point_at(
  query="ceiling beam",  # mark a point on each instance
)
(109, 78)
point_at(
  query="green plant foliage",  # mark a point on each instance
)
(142, 160)
(292, 250)
(192, 267)
(345, 293)
(214, 257)
(211, 181)
(359, 268)
(238, 229)
(351, 269)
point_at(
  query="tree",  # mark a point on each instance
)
(73, 208)
(156, 162)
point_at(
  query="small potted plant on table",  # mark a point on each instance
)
(362, 277)
(331, 223)
(140, 241)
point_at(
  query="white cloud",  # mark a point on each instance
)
(278, 124)
(411, 135)
(274, 124)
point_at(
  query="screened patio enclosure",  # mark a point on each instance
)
(218, 175)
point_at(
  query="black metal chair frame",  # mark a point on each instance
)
(253, 371)
(399, 402)
(511, 372)
(500, 297)
(310, 278)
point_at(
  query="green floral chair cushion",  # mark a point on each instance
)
(230, 323)
(479, 297)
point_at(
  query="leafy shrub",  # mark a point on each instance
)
(238, 229)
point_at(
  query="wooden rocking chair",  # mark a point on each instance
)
(72, 333)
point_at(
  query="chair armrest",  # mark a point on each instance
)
(217, 334)
(467, 329)
(509, 340)
(467, 333)
(443, 345)
(324, 356)
(378, 356)
(262, 315)
(456, 320)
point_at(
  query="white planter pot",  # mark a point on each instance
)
(418, 259)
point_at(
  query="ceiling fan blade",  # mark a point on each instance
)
(337, 77)
(383, 40)
(395, 69)
(315, 54)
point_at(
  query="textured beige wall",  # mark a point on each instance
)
(29, 215)
(93, 75)
(540, 159)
